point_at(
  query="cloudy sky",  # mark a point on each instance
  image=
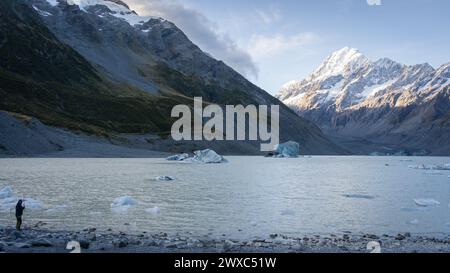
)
(272, 42)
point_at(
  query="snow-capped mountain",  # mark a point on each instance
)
(353, 97)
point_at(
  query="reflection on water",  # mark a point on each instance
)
(249, 196)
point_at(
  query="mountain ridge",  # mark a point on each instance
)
(142, 69)
(390, 104)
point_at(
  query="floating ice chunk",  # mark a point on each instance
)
(444, 167)
(179, 157)
(426, 202)
(8, 203)
(31, 203)
(6, 192)
(414, 222)
(288, 149)
(417, 167)
(165, 178)
(358, 196)
(154, 210)
(8, 200)
(123, 203)
(208, 156)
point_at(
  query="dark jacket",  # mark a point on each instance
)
(19, 209)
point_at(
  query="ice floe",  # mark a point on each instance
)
(426, 202)
(358, 196)
(6, 192)
(208, 156)
(123, 203)
(179, 157)
(201, 156)
(289, 149)
(8, 200)
(444, 167)
(165, 178)
(154, 210)
(414, 222)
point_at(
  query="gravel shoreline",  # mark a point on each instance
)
(41, 240)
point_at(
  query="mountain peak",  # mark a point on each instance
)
(346, 51)
(119, 2)
(116, 8)
(114, 5)
(344, 61)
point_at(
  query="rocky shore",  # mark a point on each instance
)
(41, 240)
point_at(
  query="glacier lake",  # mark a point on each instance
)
(246, 197)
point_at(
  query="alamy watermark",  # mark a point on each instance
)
(208, 123)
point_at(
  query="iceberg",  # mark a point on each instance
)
(208, 156)
(426, 202)
(123, 203)
(289, 149)
(444, 167)
(165, 178)
(31, 203)
(6, 192)
(359, 196)
(179, 157)
(8, 200)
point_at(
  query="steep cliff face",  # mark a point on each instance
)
(97, 66)
(391, 105)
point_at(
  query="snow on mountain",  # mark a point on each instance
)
(352, 97)
(116, 8)
(347, 61)
(347, 79)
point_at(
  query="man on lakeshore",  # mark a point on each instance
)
(19, 212)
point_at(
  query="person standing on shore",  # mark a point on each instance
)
(20, 207)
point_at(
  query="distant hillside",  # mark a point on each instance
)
(100, 68)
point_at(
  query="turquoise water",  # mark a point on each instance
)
(247, 197)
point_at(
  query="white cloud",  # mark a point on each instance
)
(201, 30)
(270, 16)
(269, 46)
(374, 2)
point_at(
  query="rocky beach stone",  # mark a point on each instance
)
(41, 242)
